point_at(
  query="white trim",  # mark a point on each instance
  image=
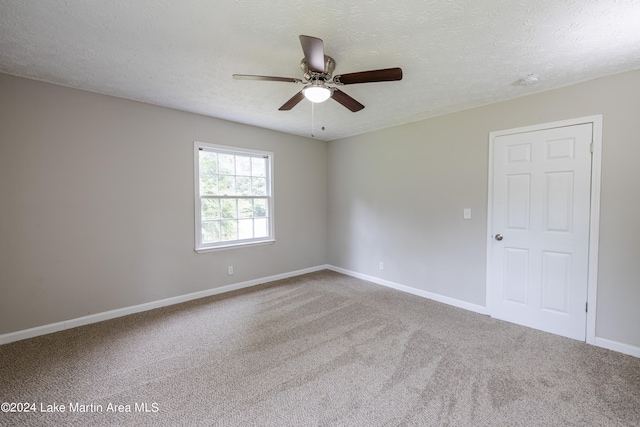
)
(231, 149)
(112, 314)
(408, 289)
(205, 146)
(594, 221)
(594, 229)
(623, 348)
(629, 349)
(236, 245)
(550, 125)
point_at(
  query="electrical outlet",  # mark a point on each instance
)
(230, 270)
(381, 265)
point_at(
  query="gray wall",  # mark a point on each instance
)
(397, 196)
(97, 204)
(96, 201)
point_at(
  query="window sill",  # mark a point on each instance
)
(234, 246)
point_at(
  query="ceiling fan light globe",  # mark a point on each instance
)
(317, 94)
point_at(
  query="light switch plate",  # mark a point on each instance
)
(466, 213)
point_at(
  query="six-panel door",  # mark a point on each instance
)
(540, 207)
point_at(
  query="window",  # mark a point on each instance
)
(234, 202)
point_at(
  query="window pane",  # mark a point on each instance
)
(243, 165)
(208, 162)
(210, 209)
(233, 196)
(226, 164)
(243, 186)
(228, 230)
(261, 228)
(258, 166)
(210, 231)
(228, 208)
(245, 208)
(245, 229)
(259, 208)
(208, 185)
(259, 186)
(227, 185)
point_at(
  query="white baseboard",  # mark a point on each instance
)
(99, 317)
(436, 297)
(629, 349)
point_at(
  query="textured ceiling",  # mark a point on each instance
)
(456, 54)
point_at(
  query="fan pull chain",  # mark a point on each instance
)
(312, 119)
(313, 122)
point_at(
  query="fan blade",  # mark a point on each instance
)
(313, 49)
(346, 100)
(266, 78)
(385, 75)
(292, 102)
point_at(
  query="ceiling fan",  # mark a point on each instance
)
(317, 69)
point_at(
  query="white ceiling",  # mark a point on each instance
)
(455, 54)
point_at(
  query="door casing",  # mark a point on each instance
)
(594, 221)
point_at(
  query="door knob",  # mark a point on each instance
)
(499, 237)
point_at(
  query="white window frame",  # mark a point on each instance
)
(206, 247)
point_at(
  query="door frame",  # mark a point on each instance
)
(594, 217)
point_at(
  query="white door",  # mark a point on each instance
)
(539, 250)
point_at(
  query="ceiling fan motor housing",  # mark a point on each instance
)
(329, 66)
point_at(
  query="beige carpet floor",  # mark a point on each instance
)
(321, 349)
